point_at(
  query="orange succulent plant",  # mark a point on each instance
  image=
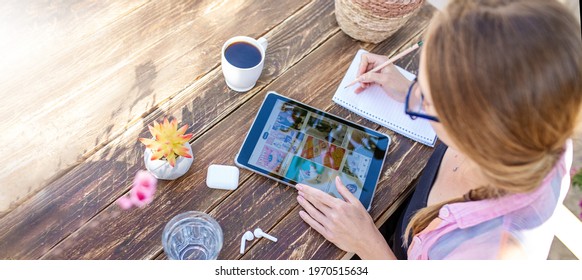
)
(168, 142)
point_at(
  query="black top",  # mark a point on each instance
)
(418, 200)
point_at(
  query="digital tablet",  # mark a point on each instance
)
(295, 143)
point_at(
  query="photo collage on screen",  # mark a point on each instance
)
(282, 138)
(313, 150)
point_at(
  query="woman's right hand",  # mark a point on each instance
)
(389, 78)
(343, 221)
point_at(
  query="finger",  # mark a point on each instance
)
(345, 193)
(316, 197)
(364, 63)
(312, 211)
(371, 77)
(316, 203)
(370, 66)
(374, 60)
(362, 87)
(313, 223)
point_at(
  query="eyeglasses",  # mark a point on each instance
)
(414, 103)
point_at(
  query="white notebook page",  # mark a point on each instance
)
(377, 106)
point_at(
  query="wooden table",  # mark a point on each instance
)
(95, 73)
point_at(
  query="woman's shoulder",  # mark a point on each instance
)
(483, 241)
(479, 243)
(518, 225)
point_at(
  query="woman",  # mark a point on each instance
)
(501, 83)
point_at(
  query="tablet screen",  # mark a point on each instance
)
(307, 146)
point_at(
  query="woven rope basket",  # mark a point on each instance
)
(374, 20)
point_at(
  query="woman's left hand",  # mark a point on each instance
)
(345, 223)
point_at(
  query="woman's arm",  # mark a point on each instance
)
(345, 223)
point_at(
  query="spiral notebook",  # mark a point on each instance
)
(375, 105)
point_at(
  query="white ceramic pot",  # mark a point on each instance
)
(162, 169)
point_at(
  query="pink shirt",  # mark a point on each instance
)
(494, 228)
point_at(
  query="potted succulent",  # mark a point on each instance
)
(168, 154)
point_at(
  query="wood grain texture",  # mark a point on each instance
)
(257, 204)
(41, 34)
(404, 163)
(38, 30)
(396, 169)
(107, 171)
(70, 216)
(89, 92)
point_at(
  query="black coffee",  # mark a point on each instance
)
(243, 55)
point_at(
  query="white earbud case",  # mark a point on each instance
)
(222, 177)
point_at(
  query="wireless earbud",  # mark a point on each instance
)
(248, 236)
(260, 233)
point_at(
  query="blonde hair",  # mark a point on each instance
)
(506, 82)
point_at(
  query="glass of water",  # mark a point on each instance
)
(192, 235)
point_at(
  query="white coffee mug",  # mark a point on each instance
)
(243, 79)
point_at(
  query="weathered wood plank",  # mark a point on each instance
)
(229, 212)
(104, 179)
(88, 93)
(404, 163)
(108, 171)
(40, 36)
(146, 238)
(35, 30)
(267, 205)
